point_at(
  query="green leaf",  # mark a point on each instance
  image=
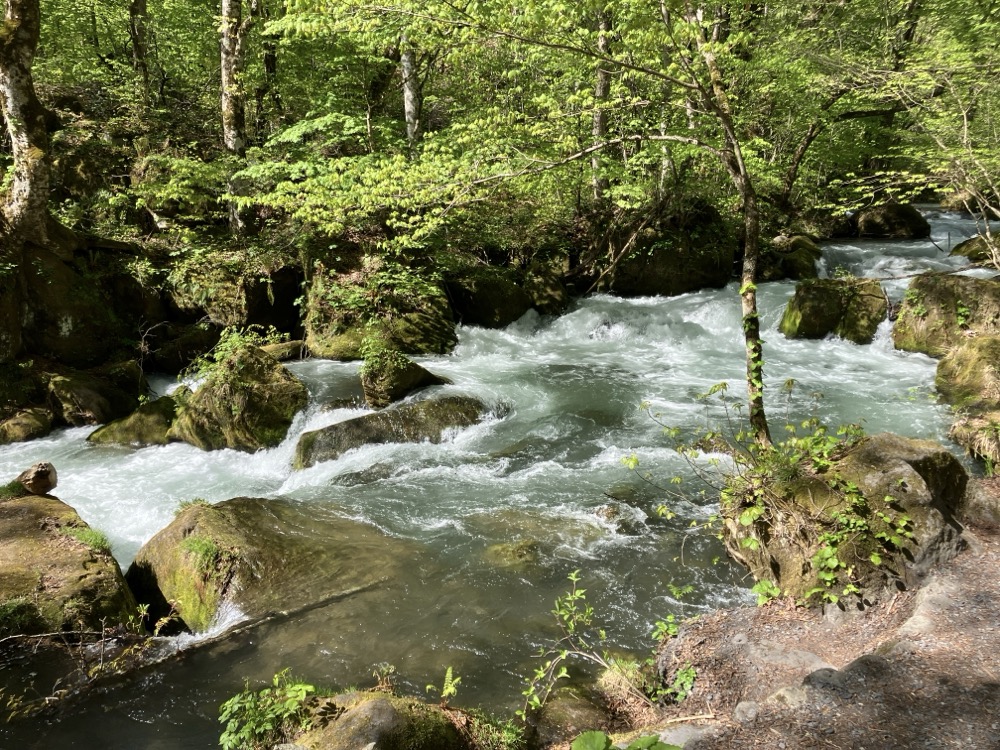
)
(591, 741)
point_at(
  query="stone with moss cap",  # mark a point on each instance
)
(406, 423)
(260, 555)
(247, 403)
(878, 518)
(53, 576)
(899, 221)
(147, 425)
(939, 311)
(968, 377)
(849, 308)
(26, 425)
(390, 376)
(380, 721)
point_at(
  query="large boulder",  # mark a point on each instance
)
(487, 296)
(406, 423)
(26, 425)
(968, 378)
(247, 403)
(172, 347)
(80, 398)
(849, 308)
(392, 377)
(899, 221)
(792, 257)
(408, 314)
(874, 521)
(543, 284)
(939, 311)
(978, 249)
(259, 555)
(379, 721)
(147, 425)
(56, 573)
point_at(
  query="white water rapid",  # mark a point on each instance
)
(545, 473)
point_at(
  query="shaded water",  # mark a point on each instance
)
(545, 473)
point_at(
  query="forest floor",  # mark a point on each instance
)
(921, 670)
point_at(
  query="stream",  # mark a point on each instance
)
(549, 474)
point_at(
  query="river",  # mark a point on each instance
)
(549, 473)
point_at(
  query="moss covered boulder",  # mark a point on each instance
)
(977, 249)
(397, 305)
(82, 398)
(940, 311)
(261, 556)
(488, 296)
(26, 425)
(899, 221)
(792, 257)
(849, 308)
(875, 521)
(147, 425)
(380, 721)
(56, 573)
(968, 377)
(544, 285)
(392, 377)
(247, 403)
(422, 421)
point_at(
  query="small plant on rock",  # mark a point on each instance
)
(258, 720)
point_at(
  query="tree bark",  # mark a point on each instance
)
(234, 32)
(413, 99)
(602, 89)
(138, 31)
(25, 206)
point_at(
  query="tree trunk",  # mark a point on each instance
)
(412, 95)
(717, 101)
(138, 26)
(602, 89)
(268, 88)
(234, 31)
(25, 206)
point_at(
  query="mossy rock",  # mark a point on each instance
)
(979, 434)
(247, 403)
(515, 555)
(899, 221)
(913, 481)
(287, 351)
(26, 425)
(343, 311)
(393, 377)
(968, 376)
(940, 311)
(792, 257)
(976, 249)
(147, 425)
(379, 721)
(175, 346)
(488, 297)
(679, 254)
(849, 308)
(543, 284)
(50, 580)
(422, 421)
(260, 555)
(81, 398)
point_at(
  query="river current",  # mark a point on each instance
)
(548, 474)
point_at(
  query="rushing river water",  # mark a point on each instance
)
(547, 473)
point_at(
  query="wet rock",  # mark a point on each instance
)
(406, 423)
(488, 296)
(515, 555)
(26, 425)
(287, 351)
(55, 572)
(393, 377)
(261, 556)
(39, 479)
(378, 721)
(247, 403)
(175, 346)
(849, 308)
(913, 493)
(147, 425)
(899, 221)
(940, 311)
(567, 713)
(967, 376)
(543, 284)
(79, 398)
(977, 249)
(792, 257)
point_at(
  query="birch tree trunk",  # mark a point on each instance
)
(412, 95)
(602, 89)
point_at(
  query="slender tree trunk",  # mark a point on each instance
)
(268, 89)
(413, 99)
(602, 89)
(234, 32)
(138, 26)
(717, 101)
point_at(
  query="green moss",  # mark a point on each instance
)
(93, 538)
(12, 490)
(19, 615)
(204, 553)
